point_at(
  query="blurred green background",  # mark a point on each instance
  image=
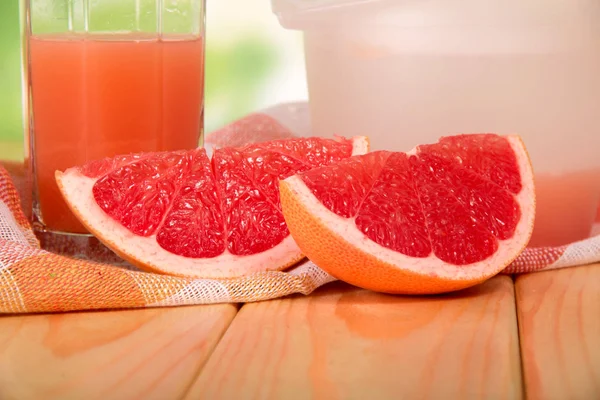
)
(10, 80)
(251, 63)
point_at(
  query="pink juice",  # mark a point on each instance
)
(565, 207)
(100, 96)
(547, 94)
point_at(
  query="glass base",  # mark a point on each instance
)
(80, 246)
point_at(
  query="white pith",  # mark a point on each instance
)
(346, 230)
(77, 190)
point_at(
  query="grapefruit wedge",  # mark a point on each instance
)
(439, 218)
(181, 213)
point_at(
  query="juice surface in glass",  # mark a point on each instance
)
(96, 96)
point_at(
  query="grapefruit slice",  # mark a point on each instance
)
(181, 213)
(439, 218)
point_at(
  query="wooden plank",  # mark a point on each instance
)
(348, 343)
(559, 321)
(135, 354)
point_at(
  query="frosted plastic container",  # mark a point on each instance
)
(406, 72)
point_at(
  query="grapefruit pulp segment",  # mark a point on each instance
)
(451, 214)
(183, 214)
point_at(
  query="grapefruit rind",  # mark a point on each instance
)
(145, 253)
(335, 244)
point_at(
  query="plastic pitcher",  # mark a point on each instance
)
(406, 72)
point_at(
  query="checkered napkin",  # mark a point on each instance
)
(35, 280)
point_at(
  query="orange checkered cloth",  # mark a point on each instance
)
(34, 280)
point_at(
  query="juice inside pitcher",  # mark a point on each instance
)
(407, 86)
(98, 96)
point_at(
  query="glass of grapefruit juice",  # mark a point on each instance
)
(107, 77)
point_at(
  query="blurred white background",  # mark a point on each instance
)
(252, 62)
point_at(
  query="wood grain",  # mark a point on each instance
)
(559, 321)
(348, 343)
(136, 354)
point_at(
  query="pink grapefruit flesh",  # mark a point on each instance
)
(441, 217)
(184, 214)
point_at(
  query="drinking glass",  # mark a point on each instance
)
(102, 78)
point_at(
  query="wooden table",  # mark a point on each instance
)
(537, 337)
